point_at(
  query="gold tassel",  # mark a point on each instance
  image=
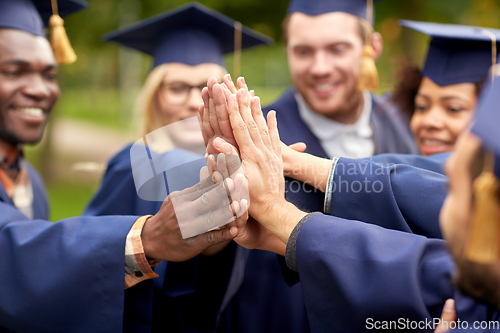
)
(63, 52)
(368, 76)
(483, 243)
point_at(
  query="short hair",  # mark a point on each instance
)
(365, 29)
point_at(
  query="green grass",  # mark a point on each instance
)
(100, 107)
(68, 198)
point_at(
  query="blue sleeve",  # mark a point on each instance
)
(181, 286)
(354, 274)
(351, 271)
(433, 163)
(394, 196)
(65, 276)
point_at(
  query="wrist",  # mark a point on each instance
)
(147, 239)
(321, 172)
(273, 244)
(280, 219)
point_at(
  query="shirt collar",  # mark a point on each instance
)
(325, 128)
(11, 157)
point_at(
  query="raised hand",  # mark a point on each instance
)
(260, 150)
(213, 114)
(252, 235)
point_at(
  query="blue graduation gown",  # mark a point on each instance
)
(391, 130)
(255, 298)
(60, 277)
(352, 271)
(400, 192)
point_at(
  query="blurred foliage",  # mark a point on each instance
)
(90, 86)
(69, 198)
(95, 89)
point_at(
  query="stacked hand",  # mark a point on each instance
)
(178, 231)
(236, 118)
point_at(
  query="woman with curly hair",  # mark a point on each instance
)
(441, 98)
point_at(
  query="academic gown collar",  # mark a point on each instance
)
(4, 197)
(291, 126)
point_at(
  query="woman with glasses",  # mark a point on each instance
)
(171, 94)
(187, 45)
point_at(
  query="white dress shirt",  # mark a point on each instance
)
(337, 139)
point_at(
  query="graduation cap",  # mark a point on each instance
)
(33, 16)
(359, 8)
(191, 34)
(457, 53)
(483, 245)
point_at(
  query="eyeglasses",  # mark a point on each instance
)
(177, 93)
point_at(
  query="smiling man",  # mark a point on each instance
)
(328, 108)
(71, 276)
(25, 107)
(28, 90)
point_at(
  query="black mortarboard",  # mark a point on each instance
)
(457, 53)
(358, 8)
(33, 16)
(190, 34)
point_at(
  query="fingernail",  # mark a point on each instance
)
(233, 231)
(225, 149)
(449, 306)
(229, 77)
(217, 143)
(244, 82)
(258, 100)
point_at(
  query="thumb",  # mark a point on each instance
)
(299, 146)
(449, 315)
